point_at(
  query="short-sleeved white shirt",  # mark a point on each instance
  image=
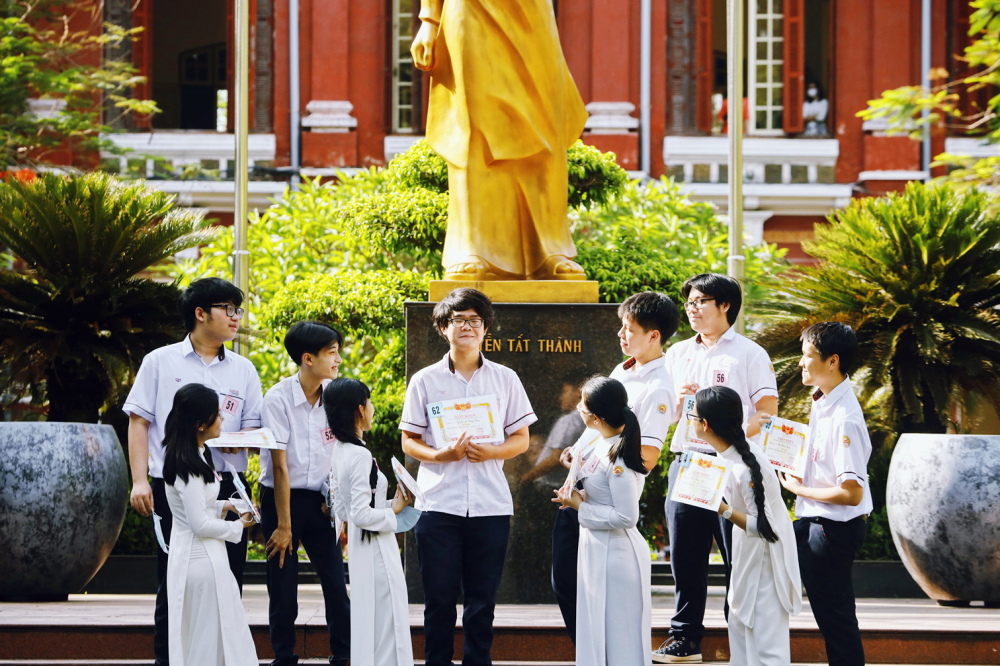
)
(839, 451)
(734, 361)
(464, 488)
(304, 431)
(651, 396)
(167, 369)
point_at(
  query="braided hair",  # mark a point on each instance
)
(722, 409)
(341, 399)
(607, 399)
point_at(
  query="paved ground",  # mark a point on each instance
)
(873, 614)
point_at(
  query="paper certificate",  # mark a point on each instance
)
(684, 437)
(262, 438)
(785, 444)
(478, 417)
(407, 480)
(701, 481)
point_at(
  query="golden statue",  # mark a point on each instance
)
(503, 111)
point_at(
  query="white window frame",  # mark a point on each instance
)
(752, 61)
(401, 57)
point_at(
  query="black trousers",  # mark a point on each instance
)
(692, 530)
(826, 559)
(313, 529)
(464, 555)
(565, 546)
(237, 553)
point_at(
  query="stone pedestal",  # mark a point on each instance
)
(524, 291)
(544, 344)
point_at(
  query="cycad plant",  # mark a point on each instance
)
(917, 275)
(75, 317)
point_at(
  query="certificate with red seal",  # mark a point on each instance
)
(479, 417)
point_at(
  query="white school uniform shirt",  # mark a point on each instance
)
(464, 488)
(734, 361)
(165, 370)
(650, 395)
(303, 431)
(839, 449)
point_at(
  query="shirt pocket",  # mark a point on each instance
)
(231, 411)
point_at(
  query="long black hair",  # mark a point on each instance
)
(722, 409)
(341, 399)
(195, 405)
(607, 399)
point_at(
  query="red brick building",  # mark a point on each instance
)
(361, 101)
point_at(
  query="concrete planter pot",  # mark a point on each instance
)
(63, 493)
(943, 500)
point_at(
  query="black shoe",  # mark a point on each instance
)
(338, 661)
(677, 651)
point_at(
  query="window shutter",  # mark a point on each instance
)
(704, 65)
(794, 83)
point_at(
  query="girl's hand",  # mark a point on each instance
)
(227, 507)
(566, 457)
(401, 500)
(247, 519)
(568, 498)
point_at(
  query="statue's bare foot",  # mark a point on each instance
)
(558, 267)
(472, 269)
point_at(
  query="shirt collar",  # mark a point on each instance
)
(835, 395)
(299, 394)
(645, 368)
(188, 348)
(451, 364)
(728, 335)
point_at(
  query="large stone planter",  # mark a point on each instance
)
(63, 493)
(943, 501)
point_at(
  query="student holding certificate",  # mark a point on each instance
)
(380, 620)
(765, 588)
(291, 493)
(207, 623)
(716, 356)
(463, 534)
(834, 499)
(613, 609)
(648, 319)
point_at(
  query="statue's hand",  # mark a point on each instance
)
(422, 48)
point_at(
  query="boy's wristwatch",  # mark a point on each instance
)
(728, 513)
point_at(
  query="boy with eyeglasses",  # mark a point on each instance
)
(648, 319)
(462, 536)
(716, 356)
(211, 309)
(833, 495)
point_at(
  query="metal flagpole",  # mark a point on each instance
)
(734, 61)
(241, 118)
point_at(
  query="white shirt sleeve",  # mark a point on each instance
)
(360, 512)
(276, 418)
(414, 416)
(251, 416)
(519, 411)
(202, 524)
(761, 381)
(141, 399)
(624, 512)
(850, 458)
(655, 413)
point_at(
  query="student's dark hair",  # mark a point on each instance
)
(607, 399)
(722, 288)
(310, 337)
(722, 409)
(577, 376)
(463, 299)
(832, 337)
(341, 399)
(652, 310)
(204, 293)
(195, 405)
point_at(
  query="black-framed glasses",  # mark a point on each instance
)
(690, 416)
(459, 322)
(230, 309)
(696, 303)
